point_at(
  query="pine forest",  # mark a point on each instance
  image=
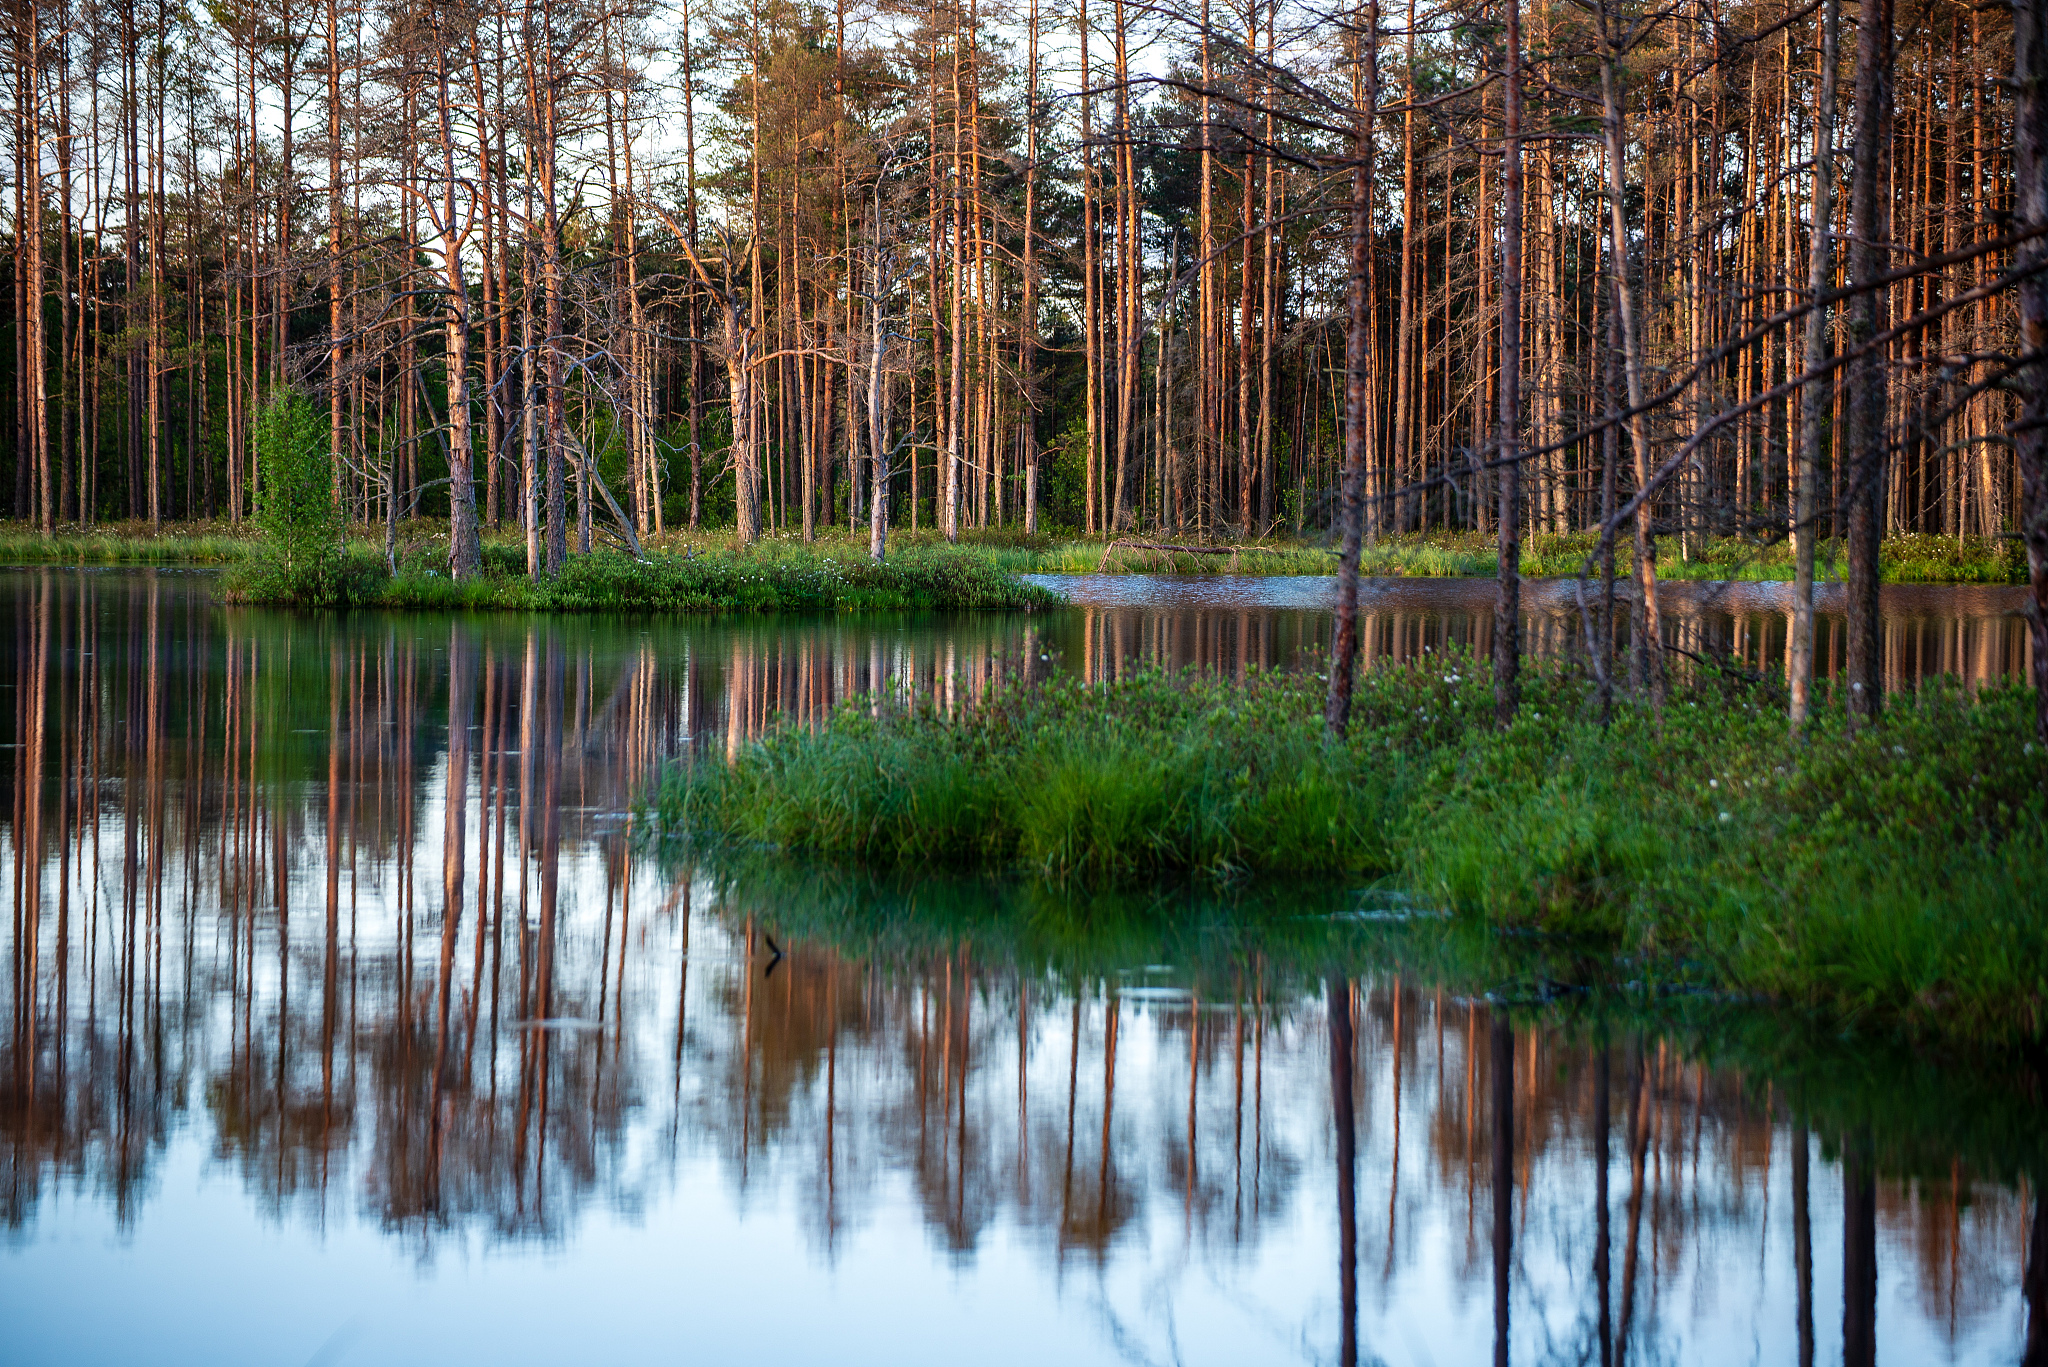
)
(599, 272)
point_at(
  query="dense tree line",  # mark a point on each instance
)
(599, 270)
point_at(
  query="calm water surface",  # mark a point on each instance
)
(349, 1023)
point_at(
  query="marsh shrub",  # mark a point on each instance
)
(301, 560)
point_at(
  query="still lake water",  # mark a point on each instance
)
(349, 1023)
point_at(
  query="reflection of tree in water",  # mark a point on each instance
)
(357, 902)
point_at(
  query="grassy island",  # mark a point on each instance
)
(1897, 873)
(770, 577)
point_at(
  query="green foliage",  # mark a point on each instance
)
(1910, 558)
(771, 577)
(1063, 478)
(301, 561)
(1906, 558)
(1901, 872)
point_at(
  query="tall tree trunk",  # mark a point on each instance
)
(465, 555)
(1027, 322)
(335, 391)
(1091, 290)
(1814, 397)
(1869, 232)
(1128, 275)
(2030, 433)
(555, 343)
(1399, 506)
(694, 300)
(31, 346)
(1647, 656)
(1269, 293)
(878, 379)
(1208, 405)
(1507, 606)
(949, 494)
(1358, 370)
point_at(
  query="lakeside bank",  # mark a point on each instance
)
(422, 547)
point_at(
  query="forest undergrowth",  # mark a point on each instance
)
(1896, 873)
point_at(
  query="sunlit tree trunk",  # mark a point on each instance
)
(465, 558)
(1027, 323)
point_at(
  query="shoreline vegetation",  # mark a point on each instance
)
(770, 577)
(1892, 874)
(422, 580)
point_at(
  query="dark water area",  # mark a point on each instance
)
(350, 1021)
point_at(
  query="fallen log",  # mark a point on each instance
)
(1170, 548)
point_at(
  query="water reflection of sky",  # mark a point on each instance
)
(265, 1100)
